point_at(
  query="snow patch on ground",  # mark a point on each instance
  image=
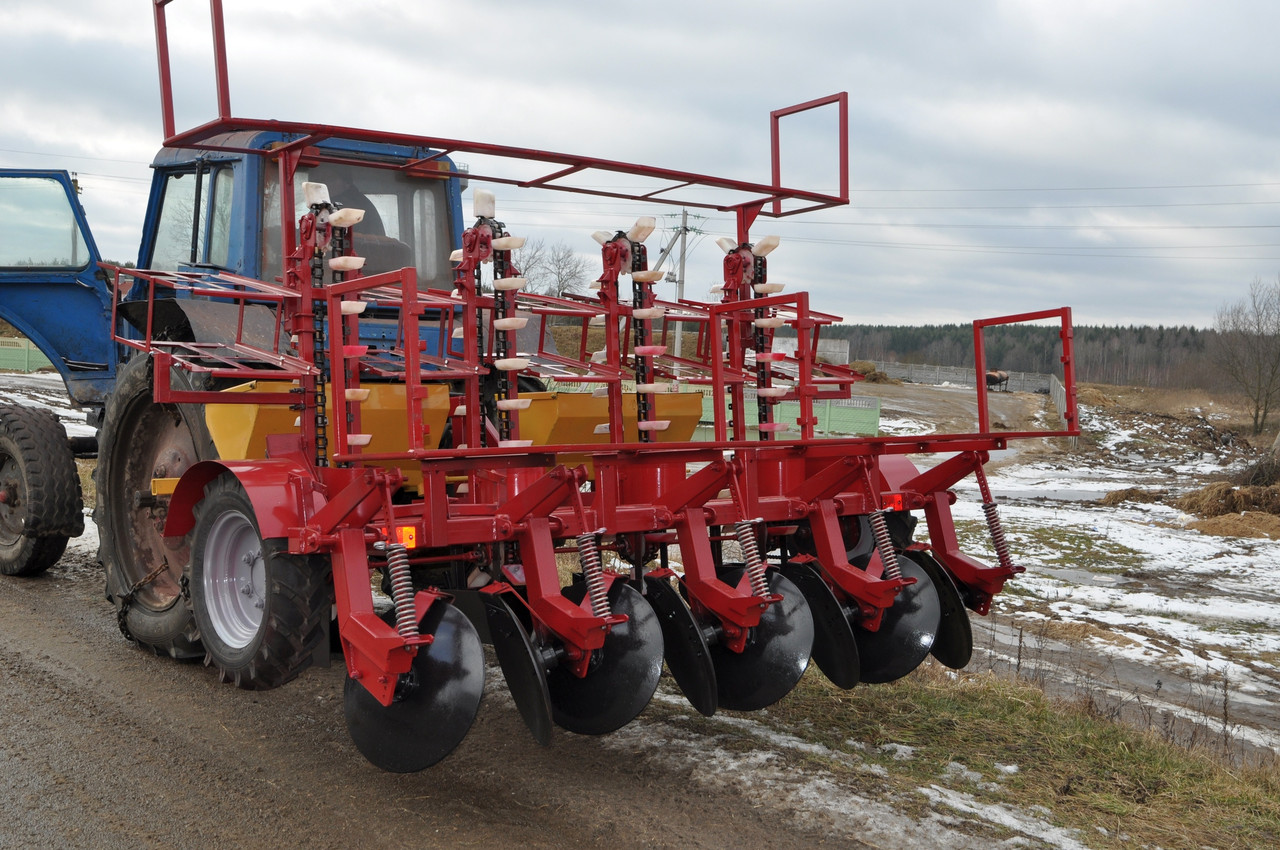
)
(816, 798)
(45, 390)
(1023, 822)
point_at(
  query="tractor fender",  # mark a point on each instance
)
(276, 488)
(896, 471)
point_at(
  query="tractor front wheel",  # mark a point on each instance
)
(40, 501)
(262, 612)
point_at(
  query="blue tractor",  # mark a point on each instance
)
(208, 213)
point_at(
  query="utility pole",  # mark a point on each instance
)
(684, 230)
(662, 258)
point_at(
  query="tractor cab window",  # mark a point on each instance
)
(186, 235)
(40, 230)
(406, 221)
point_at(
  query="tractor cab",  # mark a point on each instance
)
(221, 211)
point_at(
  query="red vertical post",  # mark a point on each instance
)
(288, 165)
(221, 77)
(980, 366)
(220, 59)
(410, 324)
(717, 374)
(1067, 334)
(162, 61)
(806, 343)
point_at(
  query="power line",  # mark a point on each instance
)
(113, 177)
(854, 189)
(1081, 206)
(883, 244)
(1036, 252)
(1084, 188)
(73, 156)
(932, 225)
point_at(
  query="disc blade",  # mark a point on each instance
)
(835, 650)
(776, 654)
(907, 630)
(685, 647)
(435, 705)
(623, 674)
(954, 644)
(522, 667)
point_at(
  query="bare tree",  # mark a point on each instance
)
(1247, 349)
(552, 269)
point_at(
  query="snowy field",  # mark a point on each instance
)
(1175, 622)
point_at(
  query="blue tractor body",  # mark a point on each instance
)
(207, 211)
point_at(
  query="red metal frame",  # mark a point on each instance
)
(756, 198)
(340, 502)
(1065, 334)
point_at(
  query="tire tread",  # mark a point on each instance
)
(299, 602)
(54, 502)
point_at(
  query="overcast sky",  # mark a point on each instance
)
(1119, 157)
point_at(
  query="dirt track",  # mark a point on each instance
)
(108, 746)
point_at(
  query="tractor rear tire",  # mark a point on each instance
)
(146, 572)
(263, 613)
(41, 506)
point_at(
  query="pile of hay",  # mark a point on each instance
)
(1132, 494)
(1094, 397)
(1224, 497)
(868, 370)
(1247, 524)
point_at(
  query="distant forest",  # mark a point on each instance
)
(1139, 356)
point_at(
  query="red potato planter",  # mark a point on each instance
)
(353, 417)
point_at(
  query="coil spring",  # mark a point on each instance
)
(745, 531)
(996, 528)
(593, 573)
(401, 587)
(884, 545)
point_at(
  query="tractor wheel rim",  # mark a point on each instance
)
(150, 444)
(234, 579)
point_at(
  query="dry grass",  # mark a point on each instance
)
(1222, 497)
(1089, 771)
(1247, 524)
(868, 370)
(85, 467)
(863, 367)
(1226, 411)
(1132, 494)
(1094, 396)
(1262, 473)
(568, 340)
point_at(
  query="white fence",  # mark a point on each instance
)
(923, 373)
(1058, 393)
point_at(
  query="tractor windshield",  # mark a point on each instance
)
(406, 221)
